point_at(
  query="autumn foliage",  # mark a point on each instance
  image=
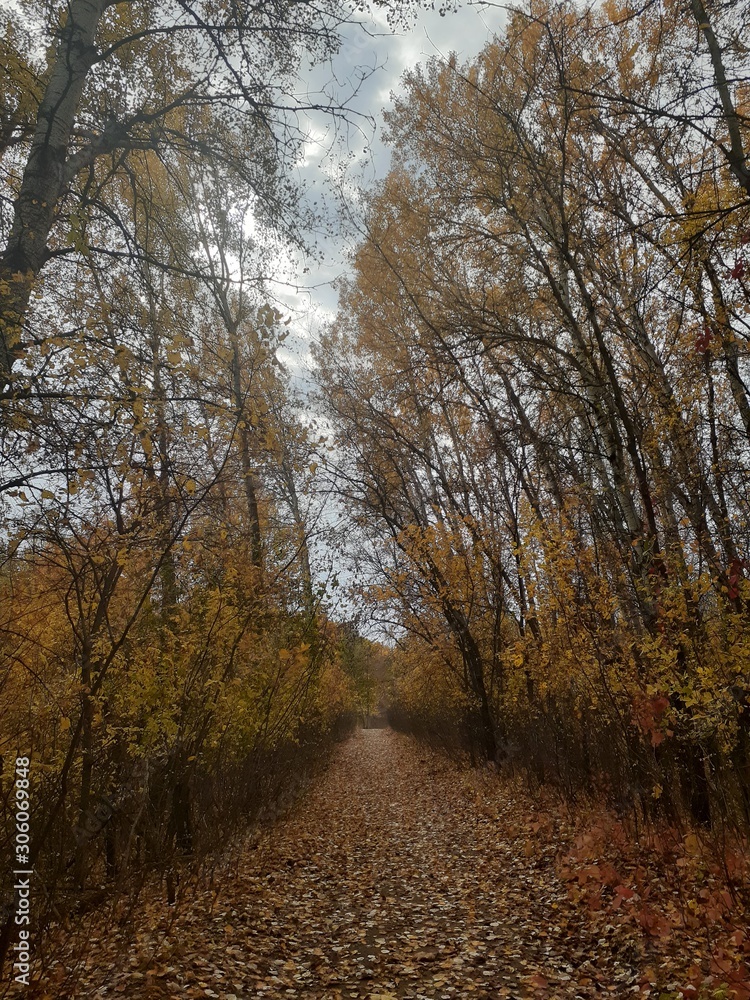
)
(537, 389)
(539, 378)
(167, 661)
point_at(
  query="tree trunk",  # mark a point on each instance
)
(45, 174)
(248, 474)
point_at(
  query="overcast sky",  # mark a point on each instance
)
(387, 55)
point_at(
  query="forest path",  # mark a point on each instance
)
(389, 880)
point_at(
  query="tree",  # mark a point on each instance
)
(542, 292)
(161, 659)
(185, 80)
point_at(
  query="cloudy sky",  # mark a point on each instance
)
(384, 56)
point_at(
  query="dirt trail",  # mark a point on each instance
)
(388, 880)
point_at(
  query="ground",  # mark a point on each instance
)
(397, 875)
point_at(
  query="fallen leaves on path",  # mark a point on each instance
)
(398, 876)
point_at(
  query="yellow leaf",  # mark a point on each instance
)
(692, 844)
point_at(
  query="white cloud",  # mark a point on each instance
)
(365, 72)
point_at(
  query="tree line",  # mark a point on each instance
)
(540, 386)
(167, 660)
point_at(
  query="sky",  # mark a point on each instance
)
(310, 297)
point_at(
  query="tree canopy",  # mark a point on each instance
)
(539, 379)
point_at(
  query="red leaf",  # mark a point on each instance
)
(703, 340)
(538, 981)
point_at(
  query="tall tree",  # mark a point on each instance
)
(185, 79)
(550, 287)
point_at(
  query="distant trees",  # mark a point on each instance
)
(539, 378)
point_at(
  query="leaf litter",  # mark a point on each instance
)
(401, 876)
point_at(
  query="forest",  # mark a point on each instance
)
(504, 510)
